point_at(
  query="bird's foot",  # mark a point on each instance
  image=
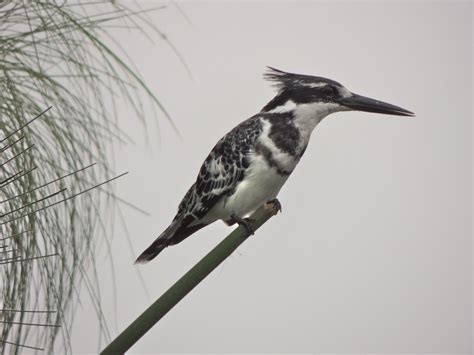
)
(245, 222)
(274, 206)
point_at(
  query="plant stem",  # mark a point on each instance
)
(185, 284)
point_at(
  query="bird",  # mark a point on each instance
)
(249, 165)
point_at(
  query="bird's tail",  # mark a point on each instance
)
(178, 230)
(160, 243)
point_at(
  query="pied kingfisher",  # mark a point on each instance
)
(250, 164)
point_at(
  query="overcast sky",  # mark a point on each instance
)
(372, 252)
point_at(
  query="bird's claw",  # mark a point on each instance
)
(274, 205)
(245, 222)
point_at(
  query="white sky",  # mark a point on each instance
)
(372, 252)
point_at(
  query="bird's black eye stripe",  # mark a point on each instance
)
(329, 90)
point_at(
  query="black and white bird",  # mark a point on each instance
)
(250, 164)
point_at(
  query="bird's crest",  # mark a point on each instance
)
(284, 80)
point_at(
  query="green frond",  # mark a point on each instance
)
(58, 54)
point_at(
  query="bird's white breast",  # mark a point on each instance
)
(261, 184)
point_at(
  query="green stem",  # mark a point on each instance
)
(184, 285)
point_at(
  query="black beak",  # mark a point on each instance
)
(362, 103)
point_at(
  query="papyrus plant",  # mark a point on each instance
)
(59, 54)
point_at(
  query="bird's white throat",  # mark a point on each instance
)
(307, 116)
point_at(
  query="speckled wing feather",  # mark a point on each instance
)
(222, 170)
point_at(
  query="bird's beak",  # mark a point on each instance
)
(362, 103)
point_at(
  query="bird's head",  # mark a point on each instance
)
(319, 97)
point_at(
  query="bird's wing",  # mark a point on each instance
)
(222, 170)
(220, 173)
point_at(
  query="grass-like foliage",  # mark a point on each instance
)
(55, 53)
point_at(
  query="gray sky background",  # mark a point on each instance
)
(372, 252)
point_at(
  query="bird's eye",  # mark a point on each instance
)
(328, 90)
